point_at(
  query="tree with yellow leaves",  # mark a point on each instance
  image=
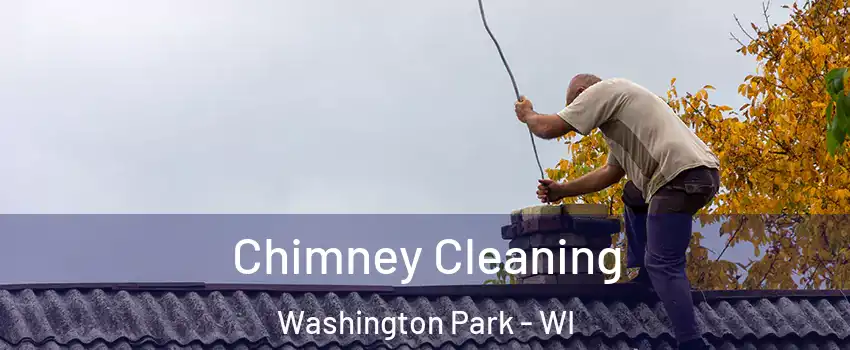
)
(781, 188)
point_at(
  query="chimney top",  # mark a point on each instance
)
(566, 226)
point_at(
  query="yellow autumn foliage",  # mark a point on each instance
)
(781, 192)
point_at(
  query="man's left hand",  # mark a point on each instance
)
(523, 108)
(549, 191)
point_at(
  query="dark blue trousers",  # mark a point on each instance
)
(658, 236)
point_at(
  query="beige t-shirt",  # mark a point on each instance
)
(645, 136)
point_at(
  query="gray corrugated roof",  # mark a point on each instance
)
(105, 318)
(580, 344)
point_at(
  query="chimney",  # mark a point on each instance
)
(544, 226)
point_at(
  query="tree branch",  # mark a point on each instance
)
(764, 7)
(695, 108)
(742, 28)
(831, 277)
(770, 267)
(729, 241)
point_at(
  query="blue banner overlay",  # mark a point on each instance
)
(374, 249)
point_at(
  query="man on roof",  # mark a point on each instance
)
(671, 175)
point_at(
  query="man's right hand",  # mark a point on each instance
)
(523, 109)
(549, 191)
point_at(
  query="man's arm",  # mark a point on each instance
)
(547, 126)
(594, 181)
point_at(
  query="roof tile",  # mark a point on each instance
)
(101, 318)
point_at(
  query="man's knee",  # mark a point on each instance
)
(668, 265)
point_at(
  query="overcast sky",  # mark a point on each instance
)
(317, 106)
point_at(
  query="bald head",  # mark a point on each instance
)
(578, 84)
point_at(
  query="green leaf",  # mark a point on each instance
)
(833, 74)
(838, 124)
(829, 113)
(834, 81)
(831, 142)
(834, 123)
(844, 113)
(844, 77)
